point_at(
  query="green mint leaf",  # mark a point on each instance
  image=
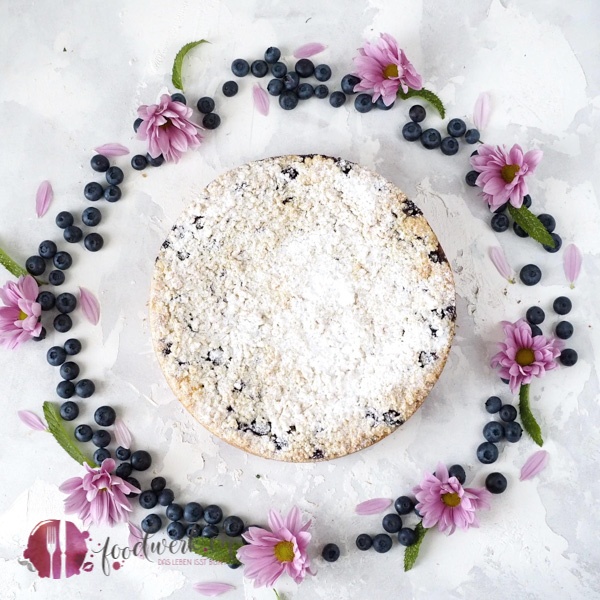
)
(412, 552)
(529, 423)
(428, 95)
(56, 428)
(215, 549)
(178, 63)
(10, 265)
(527, 221)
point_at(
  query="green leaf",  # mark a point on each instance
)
(56, 428)
(428, 95)
(412, 552)
(215, 549)
(178, 62)
(529, 423)
(527, 221)
(10, 265)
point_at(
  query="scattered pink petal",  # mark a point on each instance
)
(309, 50)
(261, 99)
(213, 588)
(122, 434)
(135, 537)
(572, 260)
(500, 262)
(481, 111)
(112, 150)
(90, 306)
(535, 464)
(32, 420)
(43, 198)
(373, 506)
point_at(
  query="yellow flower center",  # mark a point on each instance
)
(22, 315)
(390, 71)
(451, 499)
(525, 357)
(509, 172)
(284, 552)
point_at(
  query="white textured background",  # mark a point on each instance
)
(71, 76)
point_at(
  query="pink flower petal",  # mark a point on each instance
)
(32, 420)
(481, 111)
(213, 588)
(122, 434)
(43, 198)
(136, 537)
(572, 260)
(90, 305)
(373, 506)
(499, 259)
(112, 150)
(309, 50)
(261, 99)
(535, 464)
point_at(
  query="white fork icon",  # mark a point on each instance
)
(51, 546)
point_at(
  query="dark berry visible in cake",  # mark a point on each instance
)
(62, 323)
(564, 330)
(193, 512)
(404, 505)
(487, 453)
(91, 216)
(472, 136)
(213, 514)
(148, 499)
(233, 526)
(382, 543)
(93, 242)
(122, 453)
(139, 162)
(99, 163)
(64, 219)
(568, 357)
(493, 431)
(495, 483)
(46, 300)
(272, 54)
(349, 82)
(513, 432)
(166, 497)
(66, 303)
(114, 176)
(141, 460)
(530, 274)
(230, 89)
(158, 484)
(275, 87)
(65, 389)
(431, 139)
(364, 541)
(337, 99)
(211, 121)
(47, 249)
(411, 132)
(259, 68)
(449, 146)
(562, 305)
(205, 105)
(363, 103)
(56, 356)
(288, 100)
(85, 388)
(471, 178)
(392, 523)
(519, 231)
(456, 127)
(72, 234)
(417, 113)
(151, 524)
(330, 552)
(174, 512)
(500, 222)
(100, 455)
(176, 530)
(305, 67)
(240, 67)
(83, 433)
(93, 191)
(535, 315)
(279, 70)
(101, 438)
(557, 243)
(69, 410)
(105, 416)
(155, 161)
(305, 91)
(458, 472)
(112, 193)
(321, 91)
(322, 72)
(548, 222)
(35, 265)
(508, 413)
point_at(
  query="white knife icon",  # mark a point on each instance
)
(62, 541)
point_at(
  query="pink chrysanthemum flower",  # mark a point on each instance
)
(269, 554)
(522, 356)
(383, 67)
(98, 497)
(168, 129)
(502, 173)
(19, 318)
(443, 501)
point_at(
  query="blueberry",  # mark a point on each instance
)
(471, 178)
(495, 483)
(502, 208)
(562, 305)
(305, 67)
(456, 127)
(158, 484)
(530, 274)
(407, 537)
(349, 82)
(93, 191)
(62, 323)
(500, 222)
(135, 483)
(321, 91)
(64, 219)
(178, 97)
(527, 201)
(193, 512)
(114, 176)
(557, 244)
(230, 89)
(193, 530)
(93, 242)
(122, 453)
(46, 300)
(148, 499)
(275, 87)
(330, 552)
(85, 388)
(56, 356)
(69, 410)
(568, 357)
(411, 132)
(91, 216)
(363, 103)
(392, 523)
(155, 161)
(458, 472)
(206, 105)
(508, 413)
(381, 105)
(259, 68)
(493, 431)
(137, 123)
(487, 453)
(472, 136)
(519, 231)
(272, 54)
(62, 260)
(112, 193)
(66, 303)
(382, 543)
(65, 389)
(291, 81)
(166, 497)
(535, 331)
(449, 146)
(35, 265)
(305, 91)
(513, 432)
(493, 404)
(337, 99)
(151, 524)
(404, 505)
(431, 139)
(210, 531)
(211, 121)
(99, 163)
(288, 100)
(564, 330)
(47, 249)
(141, 460)
(535, 315)
(417, 113)
(322, 72)
(176, 530)
(548, 222)
(83, 433)
(279, 70)
(213, 514)
(139, 162)
(101, 438)
(100, 455)
(364, 541)
(42, 336)
(240, 67)
(124, 470)
(233, 526)
(174, 512)
(105, 416)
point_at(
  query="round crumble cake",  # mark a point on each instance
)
(302, 308)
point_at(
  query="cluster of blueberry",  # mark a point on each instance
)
(432, 138)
